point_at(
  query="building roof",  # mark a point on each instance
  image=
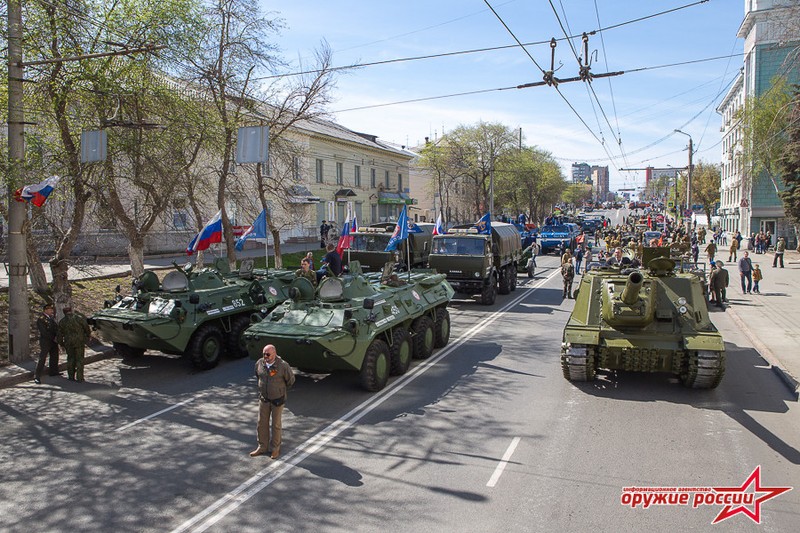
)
(336, 131)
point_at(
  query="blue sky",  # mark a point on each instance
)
(641, 108)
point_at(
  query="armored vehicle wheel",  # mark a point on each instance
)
(489, 292)
(235, 347)
(401, 351)
(504, 286)
(205, 348)
(375, 368)
(512, 271)
(128, 352)
(441, 328)
(422, 332)
(703, 370)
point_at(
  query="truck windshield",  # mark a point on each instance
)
(458, 246)
(555, 229)
(370, 243)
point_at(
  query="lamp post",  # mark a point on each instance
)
(688, 184)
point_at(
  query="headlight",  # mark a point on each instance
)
(682, 309)
(681, 301)
(477, 274)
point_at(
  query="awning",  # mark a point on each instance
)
(299, 194)
(345, 192)
(394, 198)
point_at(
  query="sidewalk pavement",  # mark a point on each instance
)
(767, 319)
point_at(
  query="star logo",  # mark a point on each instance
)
(755, 514)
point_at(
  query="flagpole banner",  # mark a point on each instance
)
(210, 234)
(438, 228)
(37, 194)
(257, 230)
(484, 225)
(400, 231)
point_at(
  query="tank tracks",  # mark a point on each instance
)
(578, 362)
(704, 369)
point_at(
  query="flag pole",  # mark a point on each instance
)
(266, 252)
(408, 257)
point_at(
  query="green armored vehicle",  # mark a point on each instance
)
(369, 245)
(197, 313)
(374, 326)
(652, 319)
(478, 263)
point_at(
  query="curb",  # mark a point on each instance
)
(766, 354)
(21, 375)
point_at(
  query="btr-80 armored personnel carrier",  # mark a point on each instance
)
(197, 313)
(371, 324)
(652, 319)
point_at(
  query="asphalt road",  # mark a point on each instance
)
(485, 436)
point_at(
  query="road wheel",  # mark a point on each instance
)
(441, 328)
(504, 287)
(401, 351)
(128, 352)
(205, 348)
(512, 271)
(422, 333)
(489, 292)
(235, 346)
(375, 368)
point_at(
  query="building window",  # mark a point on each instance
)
(180, 220)
(296, 168)
(399, 182)
(372, 179)
(357, 176)
(320, 177)
(339, 173)
(386, 178)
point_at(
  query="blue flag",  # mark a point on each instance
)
(258, 230)
(400, 231)
(413, 228)
(484, 225)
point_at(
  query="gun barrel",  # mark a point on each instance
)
(630, 294)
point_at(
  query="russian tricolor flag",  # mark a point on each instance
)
(438, 229)
(209, 235)
(37, 194)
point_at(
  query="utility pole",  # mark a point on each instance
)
(491, 179)
(19, 317)
(688, 184)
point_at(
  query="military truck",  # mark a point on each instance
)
(478, 263)
(558, 237)
(352, 322)
(200, 314)
(653, 319)
(370, 242)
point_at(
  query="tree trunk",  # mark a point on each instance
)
(35, 267)
(136, 255)
(62, 291)
(276, 247)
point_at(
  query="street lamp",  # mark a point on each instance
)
(688, 183)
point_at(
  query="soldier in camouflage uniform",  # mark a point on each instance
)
(73, 333)
(305, 272)
(568, 273)
(48, 333)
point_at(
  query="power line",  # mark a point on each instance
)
(519, 43)
(473, 50)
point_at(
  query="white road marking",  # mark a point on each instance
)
(503, 462)
(148, 417)
(241, 494)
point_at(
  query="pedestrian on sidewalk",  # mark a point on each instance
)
(568, 275)
(746, 272)
(711, 249)
(275, 377)
(732, 251)
(779, 249)
(73, 334)
(719, 283)
(578, 259)
(48, 343)
(757, 276)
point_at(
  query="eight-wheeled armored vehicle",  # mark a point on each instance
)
(652, 319)
(373, 326)
(197, 313)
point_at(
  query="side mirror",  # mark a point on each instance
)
(369, 303)
(117, 289)
(194, 299)
(348, 314)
